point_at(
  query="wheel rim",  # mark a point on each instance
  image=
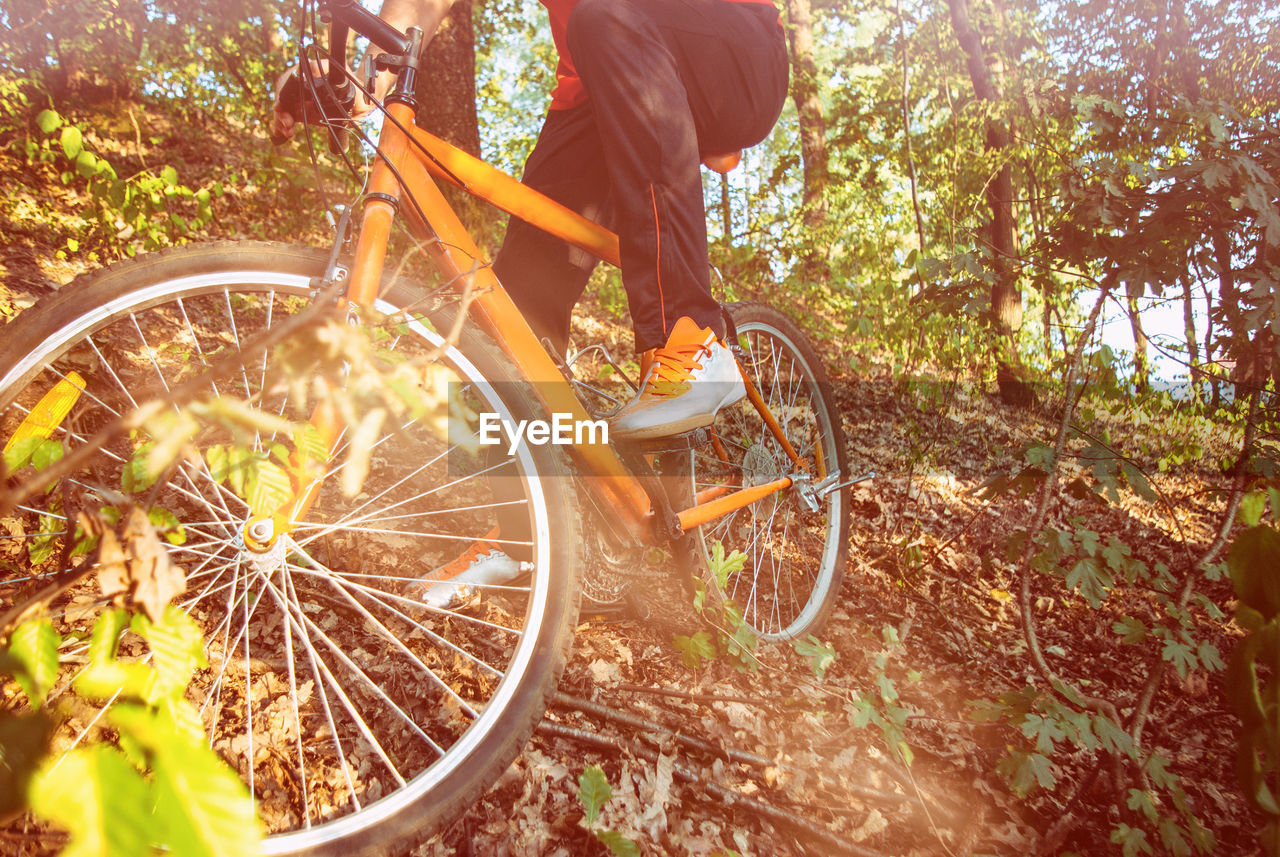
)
(792, 554)
(351, 702)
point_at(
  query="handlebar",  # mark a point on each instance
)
(351, 15)
(335, 95)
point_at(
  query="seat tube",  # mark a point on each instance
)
(381, 201)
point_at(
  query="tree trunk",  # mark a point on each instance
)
(1006, 297)
(447, 104)
(448, 108)
(1228, 304)
(906, 130)
(813, 127)
(1193, 346)
(1141, 363)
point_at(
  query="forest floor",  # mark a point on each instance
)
(929, 604)
(928, 611)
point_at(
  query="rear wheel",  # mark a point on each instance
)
(357, 716)
(796, 541)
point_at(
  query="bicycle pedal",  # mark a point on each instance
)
(671, 443)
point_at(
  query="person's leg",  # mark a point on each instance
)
(545, 276)
(668, 80)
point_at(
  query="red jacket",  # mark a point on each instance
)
(569, 92)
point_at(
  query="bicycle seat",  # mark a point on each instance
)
(723, 162)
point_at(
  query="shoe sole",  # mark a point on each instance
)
(688, 424)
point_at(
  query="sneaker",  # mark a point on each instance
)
(483, 562)
(684, 383)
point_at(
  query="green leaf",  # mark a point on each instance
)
(72, 141)
(308, 441)
(1130, 630)
(1172, 839)
(136, 476)
(1180, 654)
(201, 806)
(618, 844)
(40, 549)
(1045, 730)
(88, 164)
(205, 807)
(100, 799)
(1252, 505)
(593, 791)
(218, 460)
(106, 680)
(1254, 557)
(1140, 800)
(1209, 657)
(34, 645)
(1039, 455)
(696, 649)
(722, 567)
(1115, 739)
(820, 655)
(169, 175)
(1157, 768)
(268, 487)
(1138, 481)
(741, 645)
(1025, 771)
(48, 121)
(46, 453)
(167, 523)
(17, 455)
(1132, 840)
(1090, 579)
(1089, 541)
(177, 646)
(106, 635)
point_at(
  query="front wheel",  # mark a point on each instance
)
(796, 546)
(357, 716)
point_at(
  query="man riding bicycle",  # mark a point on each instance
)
(644, 89)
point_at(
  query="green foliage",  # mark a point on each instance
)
(881, 708)
(819, 654)
(161, 786)
(1052, 724)
(34, 649)
(147, 210)
(594, 792)
(695, 649)
(1252, 686)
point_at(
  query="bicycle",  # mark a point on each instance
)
(359, 717)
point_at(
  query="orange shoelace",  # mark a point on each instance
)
(673, 368)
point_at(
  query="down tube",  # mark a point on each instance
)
(456, 255)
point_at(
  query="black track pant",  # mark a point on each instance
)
(667, 81)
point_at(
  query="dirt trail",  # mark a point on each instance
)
(925, 610)
(926, 616)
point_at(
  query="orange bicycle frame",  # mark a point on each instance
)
(420, 159)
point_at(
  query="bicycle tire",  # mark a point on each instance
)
(446, 698)
(789, 585)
